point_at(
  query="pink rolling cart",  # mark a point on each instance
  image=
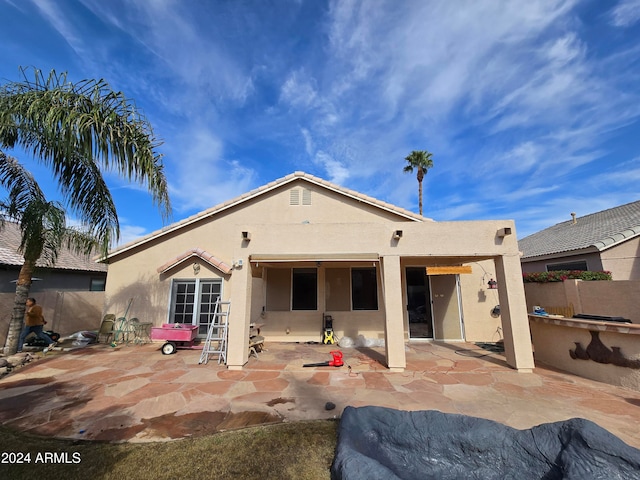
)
(177, 335)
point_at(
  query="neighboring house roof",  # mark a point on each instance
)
(597, 232)
(10, 237)
(263, 190)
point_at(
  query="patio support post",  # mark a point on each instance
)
(393, 313)
(239, 318)
(513, 310)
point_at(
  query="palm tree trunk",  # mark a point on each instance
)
(420, 176)
(23, 287)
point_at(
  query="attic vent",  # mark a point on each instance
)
(306, 197)
(294, 197)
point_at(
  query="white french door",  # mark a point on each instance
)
(193, 301)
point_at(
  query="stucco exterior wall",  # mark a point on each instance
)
(617, 298)
(593, 260)
(552, 344)
(334, 226)
(66, 312)
(608, 298)
(623, 260)
(222, 238)
(290, 229)
(51, 280)
(545, 295)
(477, 303)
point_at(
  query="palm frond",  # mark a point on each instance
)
(418, 159)
(88, 195)
(20, 184)
(43, 223)
(57, 120)
(79, 241)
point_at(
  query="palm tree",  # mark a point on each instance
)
(422, 162)
(75, 129)
(43, 228)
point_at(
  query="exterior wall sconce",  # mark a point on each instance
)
(246, 236)
(493, 285)
(503, 232)
(397, 234)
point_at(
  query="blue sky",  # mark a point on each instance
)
(530, 108)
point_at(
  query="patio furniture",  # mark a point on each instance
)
(107, 327)
(141, 331)
(256, 341)
(123, 330)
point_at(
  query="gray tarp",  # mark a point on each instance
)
(382, 443)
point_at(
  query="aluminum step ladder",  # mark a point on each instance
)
(216, 342)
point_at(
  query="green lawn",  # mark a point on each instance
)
(302, 450)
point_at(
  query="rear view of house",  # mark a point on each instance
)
(295, 250)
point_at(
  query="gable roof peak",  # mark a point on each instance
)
(297, 175)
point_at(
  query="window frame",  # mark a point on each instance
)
(300, 303)
(365, 300)
(555, 267)
(196, 308)
(103, 281)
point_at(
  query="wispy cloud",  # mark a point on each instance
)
(626, 13)
(62, 23)
(128, 233)
(202, 176)
(518, 101)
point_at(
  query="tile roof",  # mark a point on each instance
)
(67, 259)
(266, 188)
(600, 230)
(199, 253)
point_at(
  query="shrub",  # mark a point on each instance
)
(562, 275)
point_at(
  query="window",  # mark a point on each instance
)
(193, 302)
(182, 301)
(97, 284)
(305, 289)
(364, 289)
(580, 265)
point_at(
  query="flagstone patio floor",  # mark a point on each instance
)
(134, 393)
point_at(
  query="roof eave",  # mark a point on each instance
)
(617, 238)
(253, 194)
(553, 255)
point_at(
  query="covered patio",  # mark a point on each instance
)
(136, 394)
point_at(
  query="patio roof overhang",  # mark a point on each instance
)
(314, 257)
(259, 261)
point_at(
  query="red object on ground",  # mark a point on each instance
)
(336, 362)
